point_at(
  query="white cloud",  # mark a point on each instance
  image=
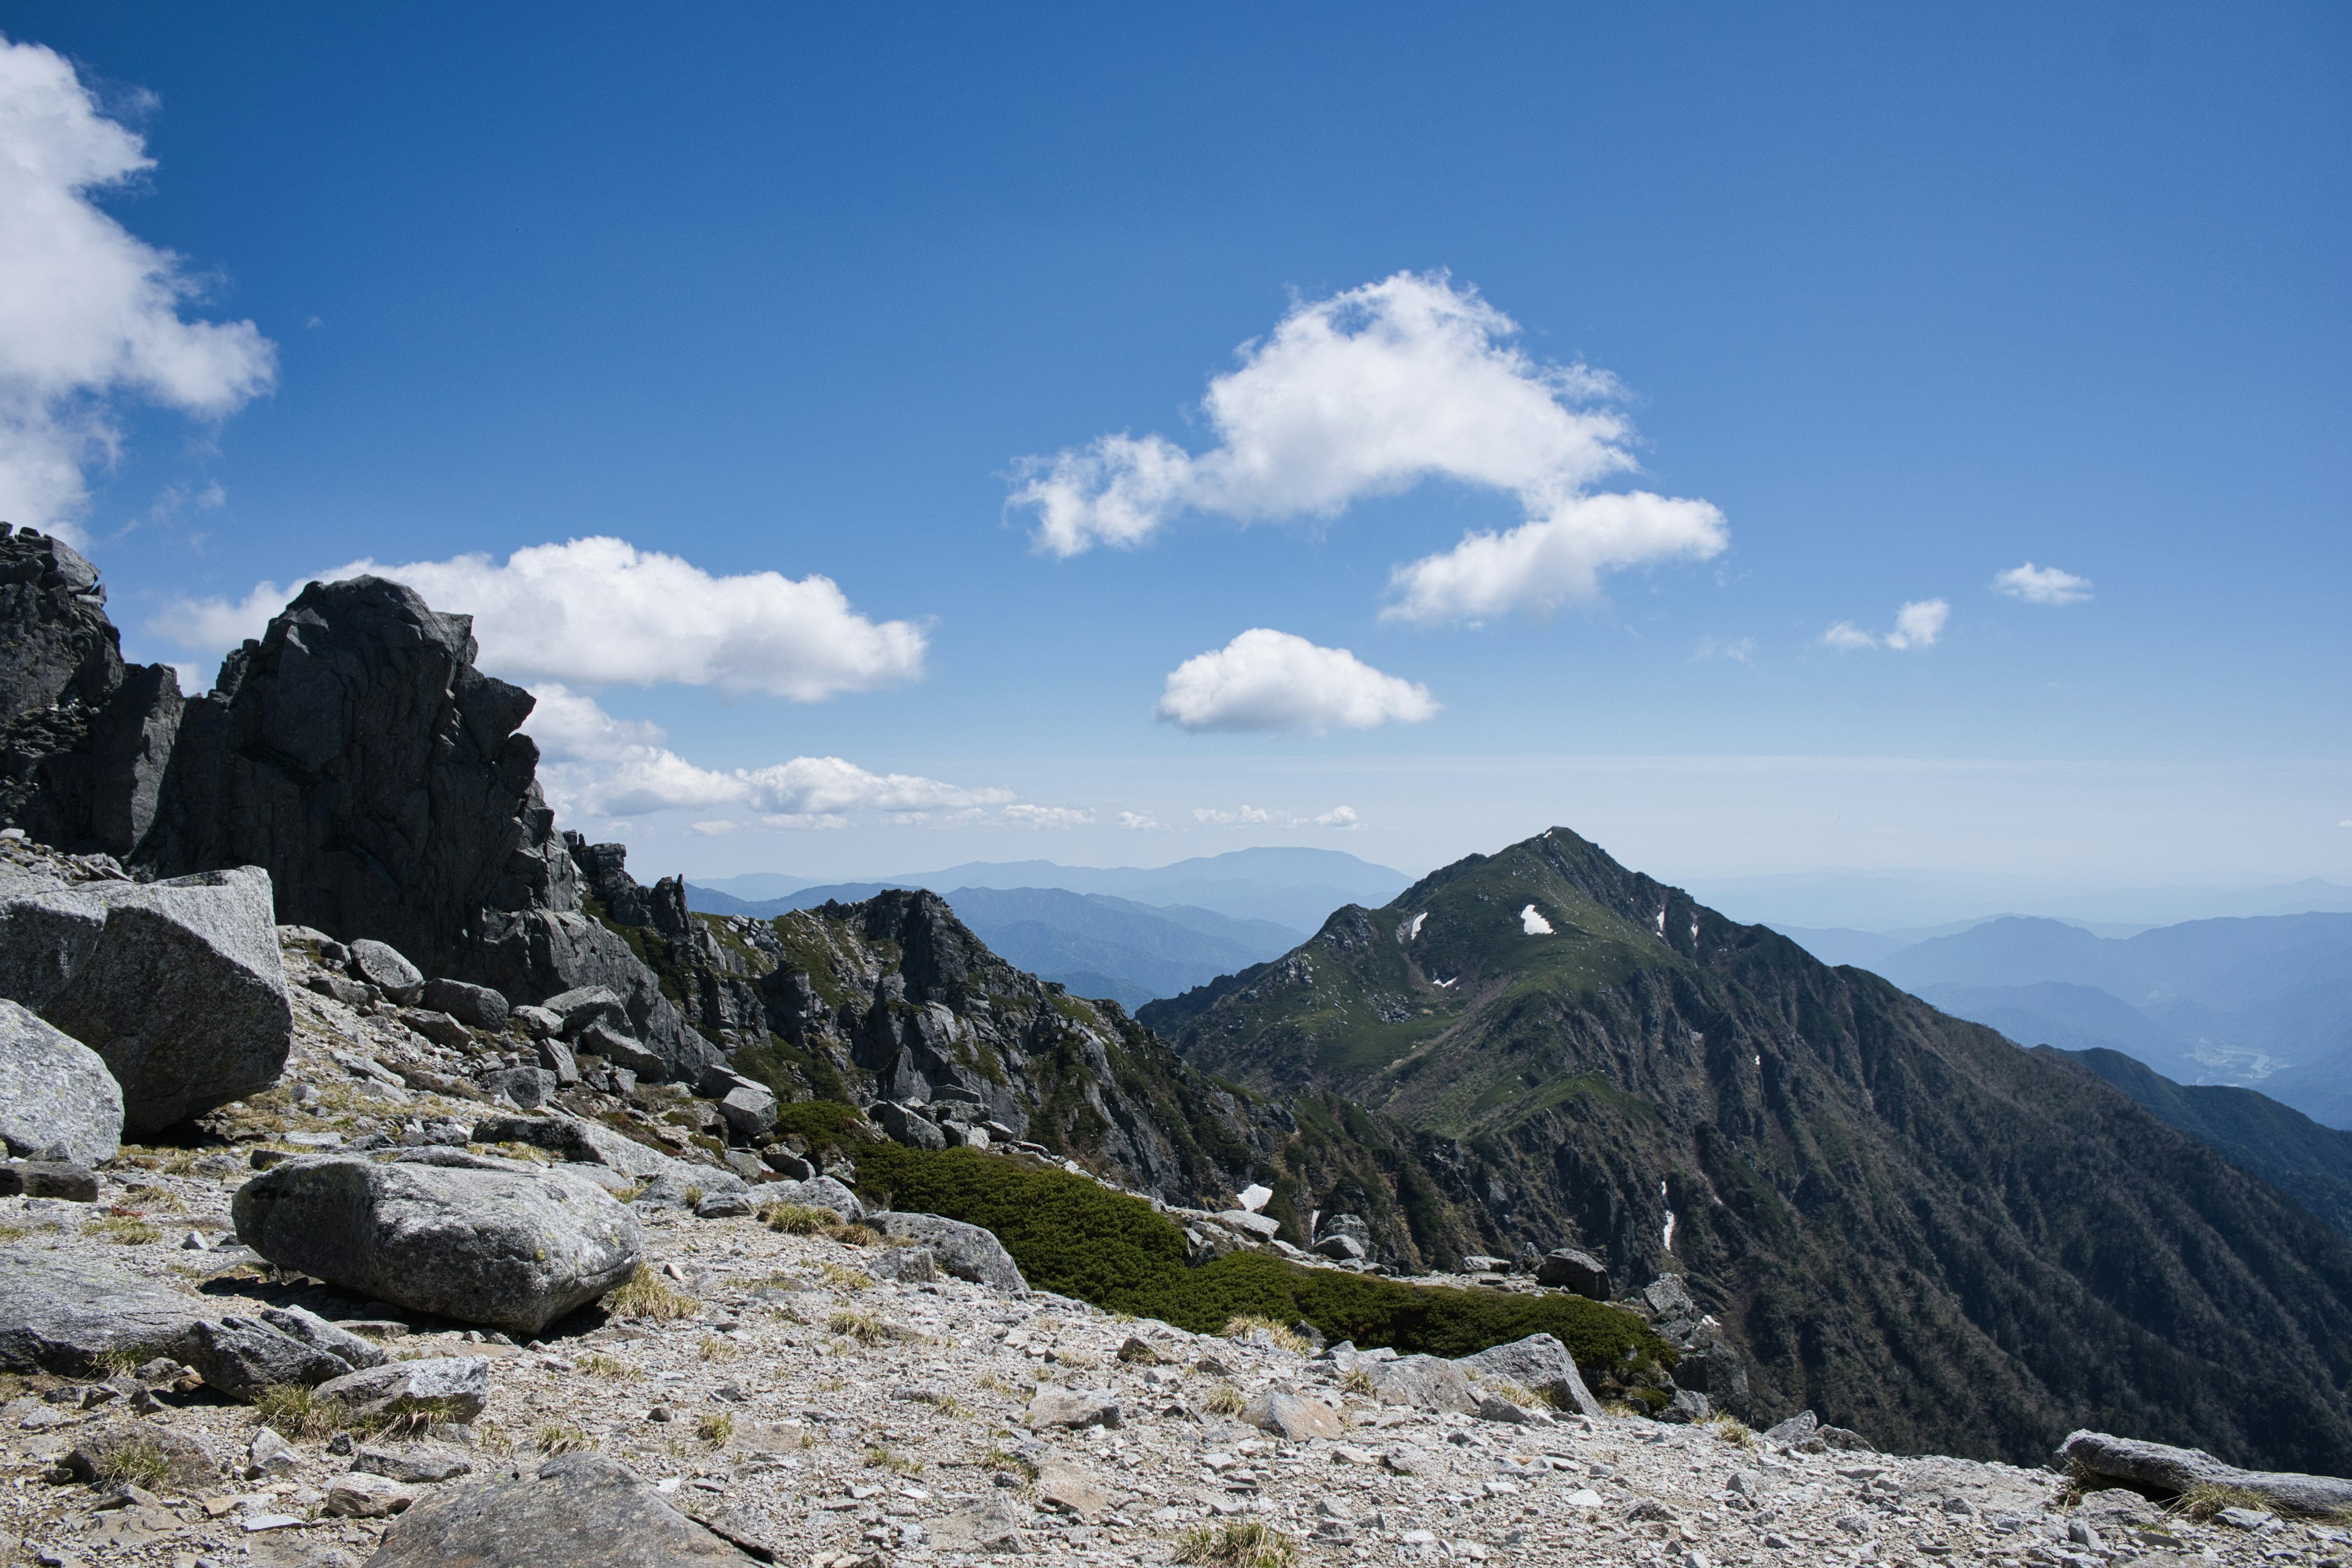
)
(2042, 585)
(1247, 815)
(1140, 822)
(594, 765)
(1340, 817)
(1049, 816)
(1272, 680)
(598, 612)
(1552, 561)
(1918, 624)
(88, 311)
(1369, 393)
(1742, 649)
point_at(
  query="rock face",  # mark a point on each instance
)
(2171, 1469)
(575, 1509)
(55, 1095)
(177, 984)
(354, 753)
(67, 1315)
(438, 1230)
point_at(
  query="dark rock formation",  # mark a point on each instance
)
(354, 753)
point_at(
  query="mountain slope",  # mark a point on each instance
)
(2309, 1162)
(1908, 1224)
(1095, 944)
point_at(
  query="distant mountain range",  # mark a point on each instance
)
(2261, 1000)
(1288, 887)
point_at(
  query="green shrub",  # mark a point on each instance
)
(827, 1125)
(1073, 1237)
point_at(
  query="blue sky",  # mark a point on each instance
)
(1888, 303)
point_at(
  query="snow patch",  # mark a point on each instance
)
(1414, 930)
(1533, 923)
(1444, 984)
(1661, 923)
(1253, 1198)
(1670, 1231)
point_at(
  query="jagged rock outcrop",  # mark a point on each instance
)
(354, 751)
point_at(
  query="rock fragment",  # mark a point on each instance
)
(1541, 1364)
(576, 1508)
(386, 967)
(449, 1388)
(1073, 1408)
(2168, 1468)
(966, 1251)
(57, 1098)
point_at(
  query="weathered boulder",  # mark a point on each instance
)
(438, 1230)
(2170, 1469)
(57, 1099)
(529, 1087)
(575, 1509)
(1423, 1382)
(992, 1525)
(189, 1463)
(1292, 1416)
(60, 1179)
(1565, 1268)
(825, 1193)
(387, 969)
(241, 1356)
(585, 1005)
(70, 1315)
(424, 1464)
(361, 1494)
(451, 1388)
(536, 1021)
(909, 1127)
(966, 1251)
(1796, 1429)
(178, 986)
(1710, 1365)
(1073, 1408)
(576, 1138)
(1539, 1364)
(476, 1004)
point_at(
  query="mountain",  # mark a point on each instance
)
(1952, 1243)
(2264, 999)
(1292, 888)
(1834, 945)
(2309, 1162)
(1091, 943)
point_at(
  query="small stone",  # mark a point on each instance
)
(361, 1494)
(1074, 1408)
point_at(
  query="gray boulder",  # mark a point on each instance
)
(576, 1138)
(476, 1004)
(1565, 1268)
(575, 1509)
(63, 1314)
(557, 1057)
(585, 1005)
(189, 1463)
(825, 1193)
(60, 1179)
(426, 1464)
(383, 966)
(451, 1388)
(438, 1230)
(909, 1127)
(1423, 1382)
(1794, 1430)
(178, 986)
(441, 1028)
(57, 1099)
(2170, 1469)
(536, 1021)
(1291, 1416)
(966, 1251)
(1072, 1409)
(601, 1039)
(240, 1356)
(529, 1087)
(1539, 1364)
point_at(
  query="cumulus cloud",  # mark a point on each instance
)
(89, 313)
(1342, 817)
(594, 764)
(2042, 585)
(600, 612)
(1369, 393)
(1140, 822)
(1918, 624)
(1272, 680)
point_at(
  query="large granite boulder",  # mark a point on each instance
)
(572, 1509)
(1565, 1268)
(70, 1315)
(2166, 1469)
(966, 1251)
(1540, 1364)
(177, 985)
(56, 1096)
(439, 1230)
(1422, 1382)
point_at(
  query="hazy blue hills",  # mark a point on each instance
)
(1096, 945)
(2263, 1000)
(2309, 1162)
(1289, 887)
